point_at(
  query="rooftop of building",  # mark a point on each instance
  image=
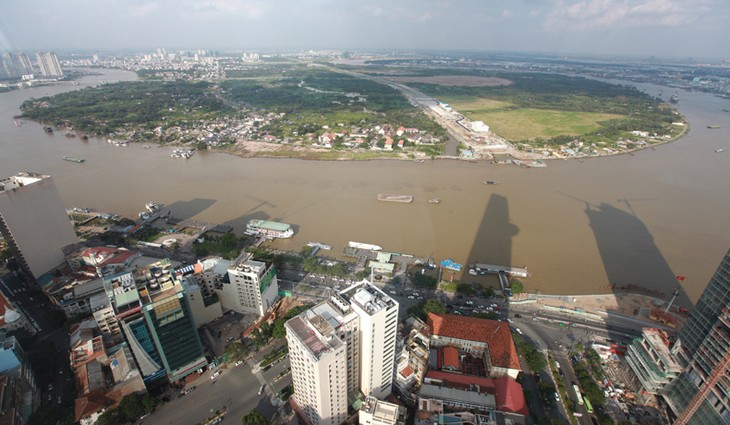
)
(382, 411)
(508, 393)
(7, 314)
(660, 342)
(21, 179)
(315, 333)
(367, 297)
(495, 334)
(457, 395)
(216, 265)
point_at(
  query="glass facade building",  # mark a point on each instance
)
(704, 350)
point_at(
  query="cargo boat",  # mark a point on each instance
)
(368, 246)
(386, 197)
(269, 229)
(72, 159)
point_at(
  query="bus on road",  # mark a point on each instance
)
(578, 397)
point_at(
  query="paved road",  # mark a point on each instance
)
(236, 390)
(33, 304)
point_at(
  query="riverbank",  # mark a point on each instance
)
(630, 305)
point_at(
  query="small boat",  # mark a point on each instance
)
(84, 137)
(674, 98)
(418, 161)
(725, 110)
(434, 201)
(70, 135)
(721, 150)
(48, 129)
(490, 182)
(319, 245)
(151, 207)
(713, 126)
(72, 159)
(387, 197)
(144, 215)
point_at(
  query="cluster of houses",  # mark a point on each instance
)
(380, 137)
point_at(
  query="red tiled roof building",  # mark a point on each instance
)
(476, 335)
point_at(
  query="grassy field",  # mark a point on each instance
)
(553, 109)
(515, 123)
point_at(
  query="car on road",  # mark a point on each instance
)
(216, 374)
(518, 331)
(557, 397)
(238, 363)
(261, 390)
(229, 339)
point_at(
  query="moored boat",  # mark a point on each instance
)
(72, 159)
(434, 201)
(490, 182)
(367, 246)
(386, 197)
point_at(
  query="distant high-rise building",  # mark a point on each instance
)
(252, 286)
(699, 395)
(339, 346)
(48, 64)
(34, 222)
(153, 314)
(23, 64)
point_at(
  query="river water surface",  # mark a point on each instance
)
(579, 226)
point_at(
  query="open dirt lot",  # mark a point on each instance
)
(455, 80)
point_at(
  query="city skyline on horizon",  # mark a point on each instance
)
(663, 28)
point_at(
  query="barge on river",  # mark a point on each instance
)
(269, 229)
(386, 197)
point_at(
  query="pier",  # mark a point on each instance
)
(480, 268)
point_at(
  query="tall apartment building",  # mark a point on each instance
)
(252, 286)
(342, 345)
(33, 221)
(153, 313)
(48, 64)
(699, 395)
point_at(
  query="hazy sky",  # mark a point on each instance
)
(681, 28)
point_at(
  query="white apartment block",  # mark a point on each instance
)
(33, 221)
(252, 287)
(378, 328)
(318, 359)
(364, 320)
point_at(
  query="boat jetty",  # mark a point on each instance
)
(72, 159)
(386, 197)
(319, 245)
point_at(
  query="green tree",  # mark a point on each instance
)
(306, 251)
(517, 287)
(254, 418)
(149, 402)
(236, 351)
(433, 306)
(131, 406)
(465, 288)
(362, 274)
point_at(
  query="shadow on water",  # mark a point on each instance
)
(239, 223)
(632, 261)
(184, 210)
(493, 241)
